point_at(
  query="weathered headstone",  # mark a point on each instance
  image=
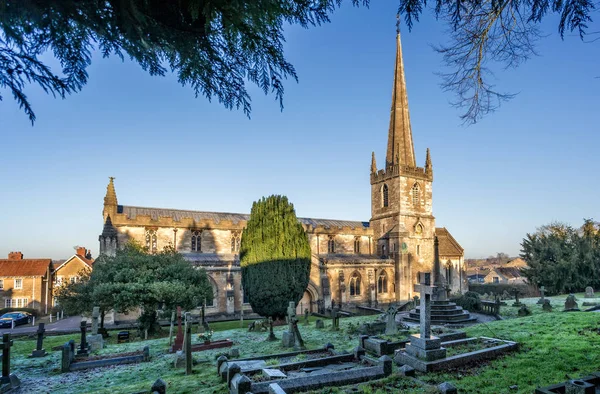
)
(178, 344)
(589, 292)
(288, 338)
(524, 311)
(83, 347)
(319, 324)
(306, 317)
(547, 306)
(188, 344)
(390, 327)
(159, 387)
(7, 380)
(516, 293)
(335, 319)
(571, 304)
(171, 328)
(39, 350)
(542, 299)
(95, 341)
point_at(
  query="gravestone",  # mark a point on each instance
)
(95, 341)
(288, 338)
(306, 317)
(319, 324)
(524, 311)
(547, 306)
(542, 299)
(390, 327)
(516, 293)
(171, 328)
(423, 346)
(188, 343)
(571, 304)
(7, 380)
(178, 344)
(589, 292)
(39, 350)
(159, 387)
(83, 347)
(335, 319)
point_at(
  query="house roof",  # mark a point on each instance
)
(474, 272)
(178, 214)
(447, 245)
(81, 258)
(518, 263)
(24, 267)
(509, 272)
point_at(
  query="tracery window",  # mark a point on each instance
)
(355, 284)
(384, 193)
(151, 241)
(331, 244)
(415, 194)
(196, 241)
(357, 245)
(236, 239)
(382, 282)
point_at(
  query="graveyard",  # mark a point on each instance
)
(540, 336)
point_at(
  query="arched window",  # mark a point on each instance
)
(384, 195)
(357, 245)
(419, 229)
(355, 284)
(151, 243)
(382, 282)
(196, 241)
(415, 194)
(331, 244)
(449, 272)
(236, 239)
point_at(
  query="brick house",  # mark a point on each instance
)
(71, 270)
(25, 283)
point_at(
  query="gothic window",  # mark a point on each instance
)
(382, 282)
(196, 241)
(384, 193)
(357, 245)
(419, 229)
(449, 272)
(151, 242)
(355, 284)
(415, 194)
(331, 244)
(236, 239)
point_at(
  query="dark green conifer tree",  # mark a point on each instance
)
(275, 257)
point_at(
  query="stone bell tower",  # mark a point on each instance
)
(401, 196)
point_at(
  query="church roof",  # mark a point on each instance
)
(447, 245)
(24, 267)
(177, 214)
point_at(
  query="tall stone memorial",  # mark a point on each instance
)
(39, 349)
(95, 341)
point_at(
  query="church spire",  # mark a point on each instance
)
(373, 163)
(428, 167)
(400, 148)
(111, 195)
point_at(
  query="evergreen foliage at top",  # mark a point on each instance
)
(563, 259)
(274, 256)
(135, 279)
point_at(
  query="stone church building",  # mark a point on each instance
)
(369, 263)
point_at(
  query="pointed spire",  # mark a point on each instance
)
(111, 195)
(109, 230)
(400, 143)
(373, 163)
(428, 168)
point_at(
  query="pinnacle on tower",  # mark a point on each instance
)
(111, 195)
(400, 150)
(373, 163)
(428, 167)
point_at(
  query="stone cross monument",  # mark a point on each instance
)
(542, 299)
(39, 350)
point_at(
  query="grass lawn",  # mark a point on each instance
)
(553, 345)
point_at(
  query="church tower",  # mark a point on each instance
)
(401, 197)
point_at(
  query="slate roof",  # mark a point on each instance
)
(179, 214)
(447, 245)
(24, 267)
(509, 272)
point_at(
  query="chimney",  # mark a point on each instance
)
(15, 256)
(81, 251)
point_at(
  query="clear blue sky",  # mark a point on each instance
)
(532, 162)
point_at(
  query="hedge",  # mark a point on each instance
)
(525, 290)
